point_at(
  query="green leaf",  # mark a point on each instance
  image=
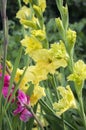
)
(54, 124)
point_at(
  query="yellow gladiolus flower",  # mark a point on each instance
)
(45, 60)
(31, 44)
(28, 23)
(66, 102)
(23, 13)
(42, 4)
(33, 22)
(58, 51)
(36, 74)
(79, 73)
(38, 93)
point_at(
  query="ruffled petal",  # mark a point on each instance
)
(22, 98)
(25, 115)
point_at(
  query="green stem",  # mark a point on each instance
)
(8, 121)
(82, 113)
(5, 32)
(19, 2)
(54, 87)
(36, 118)
(5, 35)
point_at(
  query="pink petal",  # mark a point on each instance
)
(5, 91)
(6, 78)
(0, 75)
(22, 98)
(25, 115)
(18, 110)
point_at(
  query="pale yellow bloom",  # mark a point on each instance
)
(51, 66)
(79, 72)
(40, 34)
(42, 4)
(58, 51)
(46, 60)
(41, 55)
(32, 22)
(31, 44)
(66, 102)
(24, 13)
(38, 93)
(28, 23)
(36, 74)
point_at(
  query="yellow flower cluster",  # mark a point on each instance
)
(66, 102)
(46, 60)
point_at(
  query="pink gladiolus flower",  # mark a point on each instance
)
(23, 100)
(6, 87)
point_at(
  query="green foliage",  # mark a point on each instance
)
(16, 34)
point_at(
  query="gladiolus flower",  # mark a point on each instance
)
(23, 100)
(66, 102)
(6, 87)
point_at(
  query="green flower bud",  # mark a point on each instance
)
(59, 25)
(37, 10)
(64, 16)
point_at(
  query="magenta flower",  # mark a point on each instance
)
(6, 87)
(23, 112)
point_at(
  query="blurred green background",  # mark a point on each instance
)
(77, 18)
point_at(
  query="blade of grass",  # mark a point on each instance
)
(8, 120)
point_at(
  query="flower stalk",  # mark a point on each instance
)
(5, 43)
(5, 34)
(35, 117)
